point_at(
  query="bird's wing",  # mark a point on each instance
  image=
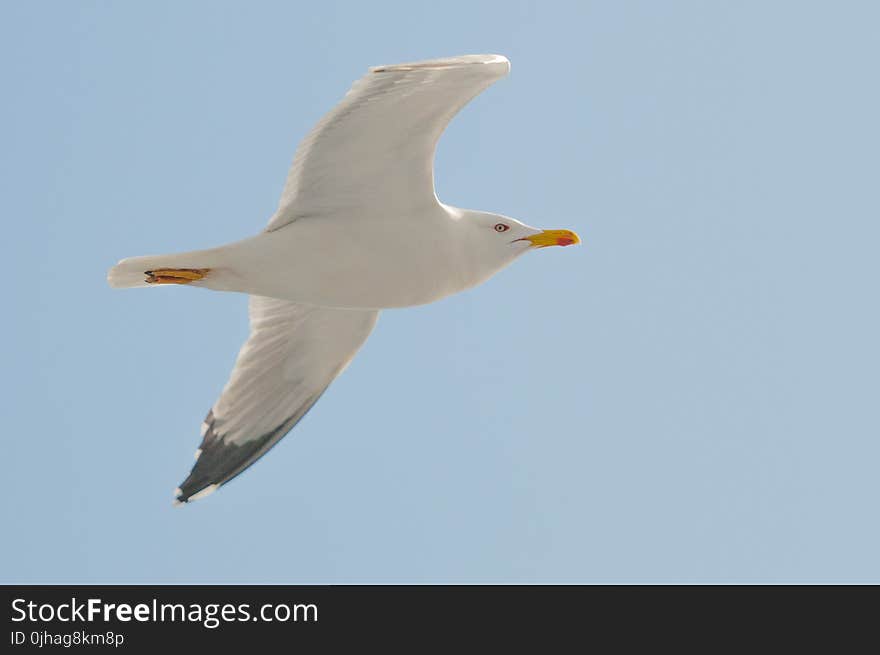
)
(292, 354)
(375, 149)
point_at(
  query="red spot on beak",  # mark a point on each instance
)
(564, 241)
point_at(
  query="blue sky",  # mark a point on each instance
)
(691, 395)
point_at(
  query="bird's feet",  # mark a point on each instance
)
(175, 275)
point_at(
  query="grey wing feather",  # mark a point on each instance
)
(292, 355)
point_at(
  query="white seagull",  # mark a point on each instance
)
(359, 229)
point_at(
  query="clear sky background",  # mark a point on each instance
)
(691, 395)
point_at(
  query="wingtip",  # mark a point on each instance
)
(179, 498)
(444, 62)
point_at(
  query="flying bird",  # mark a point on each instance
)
(358, 229)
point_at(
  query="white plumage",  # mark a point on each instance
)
(358, 229)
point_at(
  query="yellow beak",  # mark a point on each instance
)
(553, 238)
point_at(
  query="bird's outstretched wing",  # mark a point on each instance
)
(291, 356)
(375, 149)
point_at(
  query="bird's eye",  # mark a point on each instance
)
(501, 227)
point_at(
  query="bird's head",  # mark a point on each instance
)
(504, 238)
(493, 241)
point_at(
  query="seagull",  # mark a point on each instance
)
(359, 229)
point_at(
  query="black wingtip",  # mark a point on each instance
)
(181, 498)
(218, 461)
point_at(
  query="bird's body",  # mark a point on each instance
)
(343, 262)
(358, 229)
